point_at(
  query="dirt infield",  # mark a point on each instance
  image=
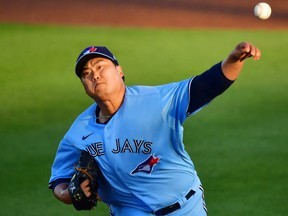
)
(145, 13)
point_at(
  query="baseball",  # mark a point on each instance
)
(262, 10)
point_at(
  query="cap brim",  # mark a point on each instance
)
(82, 61)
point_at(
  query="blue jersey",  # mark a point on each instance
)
(140, 150)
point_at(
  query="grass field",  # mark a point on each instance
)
(238, 143)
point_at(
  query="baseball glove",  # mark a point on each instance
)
(87, 168)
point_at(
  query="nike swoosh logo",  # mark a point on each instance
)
(85, 137)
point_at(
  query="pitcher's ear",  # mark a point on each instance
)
(119, 69)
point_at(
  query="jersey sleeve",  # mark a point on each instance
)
(68, 152)
(63, 166)
(181, 99)
(174, 99)
(206, 86)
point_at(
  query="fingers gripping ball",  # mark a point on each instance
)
(262, 11)
(87, 168)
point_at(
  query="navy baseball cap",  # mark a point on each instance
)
(92, 52)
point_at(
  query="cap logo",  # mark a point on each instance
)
(87, 51)
(92, 49)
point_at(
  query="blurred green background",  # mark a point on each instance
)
(238, 143)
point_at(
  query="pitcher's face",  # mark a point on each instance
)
(101, 77)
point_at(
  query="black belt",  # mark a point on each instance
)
(169, 209)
